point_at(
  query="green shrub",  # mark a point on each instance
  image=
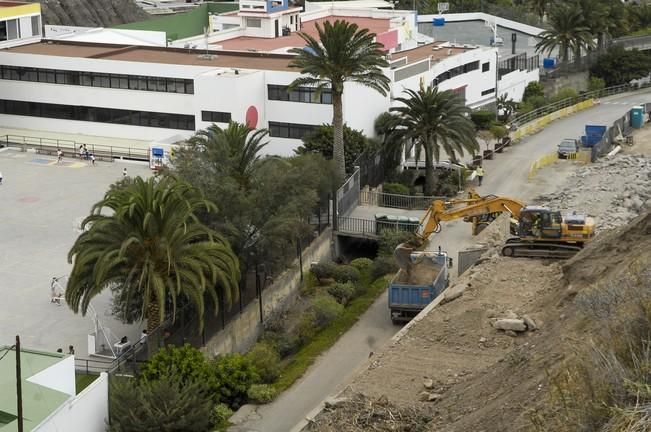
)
(483, 119)
(564, 93)
(383, 265)
(362, 264)
(284, 343)
(261, 393)
(306, 327)
(537, 101)
(533, 89)
(265, 360)
(342, 292)
(164, 404)
(596, 83)
(395, 188)
(183, 364)
(219, 416)
(323, 270)
(235, 374)
(361, 288)
(346, 273)
(325, 309)
(389, 239)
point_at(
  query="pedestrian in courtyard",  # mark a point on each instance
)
(143, 337)
(86, 153)
(124, 172)
(480, 174)
(59, 156)
(92, 159)
(71, 350)
(81, 152)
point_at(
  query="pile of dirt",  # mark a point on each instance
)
(614, 191)
(422, 273)
(357, 412)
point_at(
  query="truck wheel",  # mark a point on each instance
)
(507, 251)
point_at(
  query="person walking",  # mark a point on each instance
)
(124, 172)
(71, 350)
(480, 174)
(59, 155)
(92, 159)
(0, 177)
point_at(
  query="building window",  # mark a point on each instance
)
(94, 79)
(215, 116)
(13, 30)
(485, 67)
(469, 67)
(36, 25)
(96, 114)
(487, 92)
(289, 130)
(254, 22)
(299, 94)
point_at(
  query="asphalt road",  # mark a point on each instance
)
(505, 175)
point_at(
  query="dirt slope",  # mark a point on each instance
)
(484, 379)
(91, 13)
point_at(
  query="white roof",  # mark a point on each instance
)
(106, 35)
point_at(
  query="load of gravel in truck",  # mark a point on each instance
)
(422, 273)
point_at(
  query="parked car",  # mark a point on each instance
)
(567, 146)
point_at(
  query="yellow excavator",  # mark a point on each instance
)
(536, 231)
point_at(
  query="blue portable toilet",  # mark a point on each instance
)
(549, 63)
(637, 117)
(438, 22)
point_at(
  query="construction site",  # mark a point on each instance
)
(528, 343)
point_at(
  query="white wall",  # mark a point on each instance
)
(59, 377)
(480, 16)
(87, 412)
(514, 83)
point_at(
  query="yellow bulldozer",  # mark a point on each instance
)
(536, 231)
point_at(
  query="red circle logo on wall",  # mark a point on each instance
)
(252, 117)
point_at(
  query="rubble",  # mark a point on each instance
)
(613, 191)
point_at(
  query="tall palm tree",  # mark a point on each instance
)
(436, 121)
(235, 149)
(568, 33)
(343, 53)
(540, 7)
(152, 247)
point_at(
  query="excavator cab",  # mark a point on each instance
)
(539, 223)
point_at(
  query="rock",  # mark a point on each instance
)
(334, 402)
(482, 340)
(511, 333)
(429, 397)
(531, 324)
(510, 324)
(448, 295)
(428, 384)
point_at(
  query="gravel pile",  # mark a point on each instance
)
(613, 191)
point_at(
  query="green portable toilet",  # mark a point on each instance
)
(637, 117)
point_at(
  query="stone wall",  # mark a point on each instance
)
(242, 332)
(578, 81)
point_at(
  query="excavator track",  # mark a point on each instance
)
(516, 248)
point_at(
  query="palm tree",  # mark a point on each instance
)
(436, 121)
(568, 32)
(343, 53)
(152, 247)
(540, 7)
(236, 149)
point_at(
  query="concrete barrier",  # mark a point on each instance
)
(538, 124)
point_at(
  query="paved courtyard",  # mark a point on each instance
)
(41, 203)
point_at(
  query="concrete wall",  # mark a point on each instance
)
(87, 412)
(241, 333)
(578, 81)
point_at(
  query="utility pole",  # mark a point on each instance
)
(19, 386)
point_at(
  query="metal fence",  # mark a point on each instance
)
(406, 202)
(370, 227)
(348, 194)
(556, 106)
(71, 148)
(620, 129)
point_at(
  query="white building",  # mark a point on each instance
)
(239, 72)
(50, 400)
(20, 23)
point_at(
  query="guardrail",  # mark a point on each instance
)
(550, 158)
(565, 103)
(71, 148)
(407, 202)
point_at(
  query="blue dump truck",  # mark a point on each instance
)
(413, 289)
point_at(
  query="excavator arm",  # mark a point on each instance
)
(440, 211)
